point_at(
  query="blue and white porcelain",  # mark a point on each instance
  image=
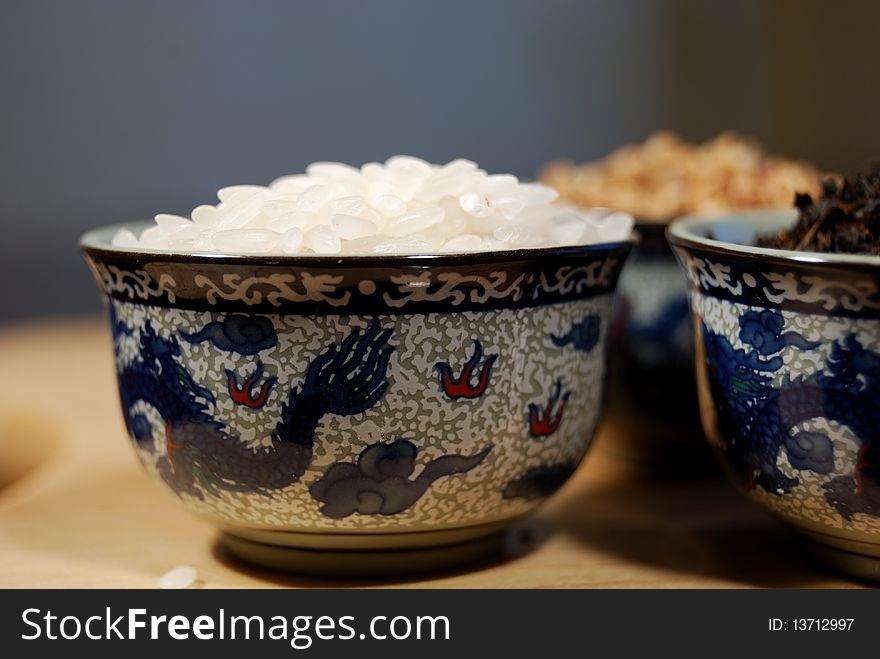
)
(788, 372)
(323, 410)
(652, 398)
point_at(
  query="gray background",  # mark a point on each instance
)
(113, 110)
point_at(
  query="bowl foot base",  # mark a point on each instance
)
(367, 555)
(856, 559)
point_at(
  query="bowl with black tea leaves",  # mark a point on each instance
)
(788, 361)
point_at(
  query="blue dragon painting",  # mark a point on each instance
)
(203, 456)
(758, 420)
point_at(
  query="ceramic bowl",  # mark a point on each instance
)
(653, 398)
(788, 373)
(359, 414)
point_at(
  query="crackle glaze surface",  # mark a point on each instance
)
(433, 448)
(363, 395)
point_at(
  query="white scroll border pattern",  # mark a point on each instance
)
(853, 296)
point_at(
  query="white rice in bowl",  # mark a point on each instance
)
(404, 206)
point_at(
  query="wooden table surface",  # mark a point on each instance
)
(76, 510)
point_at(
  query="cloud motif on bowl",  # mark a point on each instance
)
(246, 335)
(811, 451)
(763, 331)
(583, 335)
(379, 484)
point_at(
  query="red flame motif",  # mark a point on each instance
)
(461, 386)
(545, 423)
(244, 395)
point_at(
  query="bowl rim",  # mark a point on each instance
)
(96, 242)
(681, 233)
